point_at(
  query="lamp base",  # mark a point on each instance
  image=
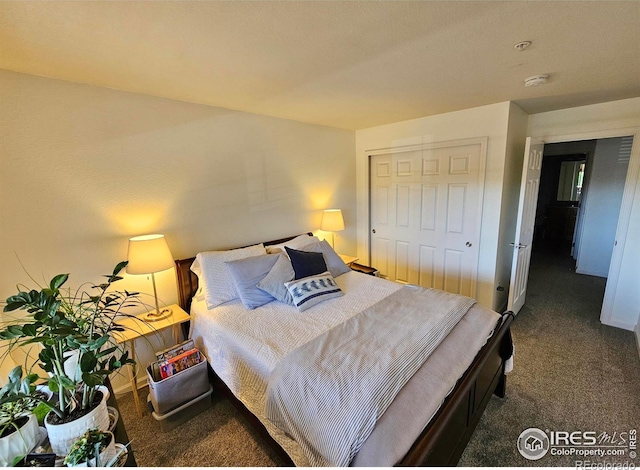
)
(156, 316)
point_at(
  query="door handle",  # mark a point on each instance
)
(518, 246)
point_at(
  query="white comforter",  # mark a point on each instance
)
(329, 393)
(261, 337)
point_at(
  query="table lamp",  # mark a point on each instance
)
(332, 221)
(149, 254)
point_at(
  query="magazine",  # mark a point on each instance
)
(178, 363)
(174, 351)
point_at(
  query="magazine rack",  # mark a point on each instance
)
(178, 389)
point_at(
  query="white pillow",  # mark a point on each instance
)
(295, 243)
(214, 277)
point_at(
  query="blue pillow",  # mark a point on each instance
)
(247, 273)
(306, 263)
(273, 283)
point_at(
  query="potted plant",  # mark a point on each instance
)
(94, 449)
(19, 431)
(73, 322)
(36, 460)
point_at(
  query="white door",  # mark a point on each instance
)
(523, 243)
(426, 209)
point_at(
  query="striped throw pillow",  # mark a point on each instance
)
(312, 290)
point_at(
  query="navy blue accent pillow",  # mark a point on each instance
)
(306, 263)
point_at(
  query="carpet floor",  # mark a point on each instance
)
(571, 374)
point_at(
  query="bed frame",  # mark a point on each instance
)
(444, 439)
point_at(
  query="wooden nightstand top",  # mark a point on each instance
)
(136, 328)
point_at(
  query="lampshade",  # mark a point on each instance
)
(149, 254)
(332, 220)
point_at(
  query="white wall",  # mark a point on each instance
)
(490, 121)
(84, 168)
(617, 118)
(6, 364)
(601, 208)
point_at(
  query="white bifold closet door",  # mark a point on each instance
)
(426, 210)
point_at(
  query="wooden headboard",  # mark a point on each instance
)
(188, 281)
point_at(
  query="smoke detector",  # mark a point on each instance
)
(521, 46)
(536, 80)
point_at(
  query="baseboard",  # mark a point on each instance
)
(619, 324)
(591, 273)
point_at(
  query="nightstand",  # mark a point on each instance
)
(136, 328)
(361, 268)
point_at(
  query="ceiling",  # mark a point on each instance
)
(347, 64)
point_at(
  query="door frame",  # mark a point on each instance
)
(484, 144)
(630, 187)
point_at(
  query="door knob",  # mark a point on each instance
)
(374, 230)
(469, 244)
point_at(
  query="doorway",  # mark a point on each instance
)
(579, 201)
(561, 194)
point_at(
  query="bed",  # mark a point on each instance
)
(432, 417)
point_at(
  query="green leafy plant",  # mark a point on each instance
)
(17, 400)
(68, 322)
(89, 447)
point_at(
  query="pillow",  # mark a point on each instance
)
(273, 282)
(335, 265)
(306, 263)
(297, 242)
(213, 274)
(312, 290)
(246, 274)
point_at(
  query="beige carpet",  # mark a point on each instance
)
(571, 373)
(217, 437)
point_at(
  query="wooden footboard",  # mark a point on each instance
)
(445, 438)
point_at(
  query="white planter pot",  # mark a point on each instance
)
(71, 365)
(62, 436)
(20, 442)
(106, 455)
